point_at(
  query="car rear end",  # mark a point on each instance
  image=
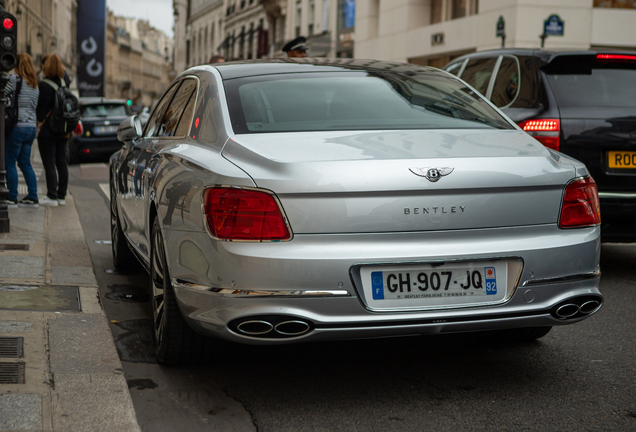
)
(596, 98)
(459, 226)
(97, 139)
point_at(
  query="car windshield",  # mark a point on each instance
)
(357, 101)
(104, 110)
(595, 87)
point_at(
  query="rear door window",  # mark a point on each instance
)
(478, 72)
(172, 116)
(152, 127)
(506, 86)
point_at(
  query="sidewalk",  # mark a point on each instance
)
(59, 368)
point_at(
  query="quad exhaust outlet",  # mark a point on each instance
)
(271, 327)
(577, 307)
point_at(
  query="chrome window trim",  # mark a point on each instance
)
(518, 86)
(617, 195)
(253, 293)
(462, 67)
(491, 83)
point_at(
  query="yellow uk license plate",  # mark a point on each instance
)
(621, 159)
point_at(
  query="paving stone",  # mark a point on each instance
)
(14, 326)
(21, 273)
(73, 275)
(21, 262)
(20, 412)
(43, 298)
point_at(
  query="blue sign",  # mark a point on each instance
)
(553, 26)
(377, 285)
(91, 46)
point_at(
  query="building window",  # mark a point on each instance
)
(299, 13)
(622, 4)
(437, 7)
(459, 9)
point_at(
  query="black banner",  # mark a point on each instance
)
(91, 47)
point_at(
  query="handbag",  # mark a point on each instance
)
(11, 108)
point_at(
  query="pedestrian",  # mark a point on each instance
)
(296, 47)
(53, 146)
(216, 59)
(18, 143)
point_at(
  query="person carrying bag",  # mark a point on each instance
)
(58, 114)
(20, 131)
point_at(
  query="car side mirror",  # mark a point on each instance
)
(129, 129)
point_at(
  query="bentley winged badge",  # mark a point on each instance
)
(432, 174)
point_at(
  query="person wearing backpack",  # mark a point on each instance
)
(58, 115)
(22, 94)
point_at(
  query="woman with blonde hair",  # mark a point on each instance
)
(53, 146)
(18, 143)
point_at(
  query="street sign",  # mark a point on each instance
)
(501, 27)
(553, 26)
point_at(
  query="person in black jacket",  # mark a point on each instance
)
(53, 147)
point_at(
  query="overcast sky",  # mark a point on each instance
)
(158, 12)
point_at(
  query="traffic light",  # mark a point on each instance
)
(8, 41)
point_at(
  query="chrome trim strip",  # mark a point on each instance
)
(617, 195)
(572, 278)
(232, 292)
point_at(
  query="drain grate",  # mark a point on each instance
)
(11, 347)
(11, 373)
(18, 247)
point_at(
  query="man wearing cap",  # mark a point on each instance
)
(296, 48)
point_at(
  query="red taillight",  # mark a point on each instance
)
(244, 214)
(615, 57)
(546, 131)
(581, 206)
(79, 129)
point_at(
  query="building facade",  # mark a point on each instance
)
(138, 61)
(43, 28)
(432, 32)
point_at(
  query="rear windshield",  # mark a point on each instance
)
(103, 110)
(356, 101)
(595, 84)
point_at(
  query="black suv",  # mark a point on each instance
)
(582, 103)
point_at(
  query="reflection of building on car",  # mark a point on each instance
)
(98, 139)
(580, 103)
(312, 199)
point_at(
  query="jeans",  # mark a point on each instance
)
(53, 153)
(18, 149)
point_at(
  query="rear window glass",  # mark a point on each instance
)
(598, 87)
(104, 110)
(356, 101)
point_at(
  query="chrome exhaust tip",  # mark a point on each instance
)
(255, 327)
(292, 328)
(590, 306)
(567, 310)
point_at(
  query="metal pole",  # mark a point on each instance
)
(4, 192)
(543, 36)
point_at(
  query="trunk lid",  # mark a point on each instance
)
(358, 182)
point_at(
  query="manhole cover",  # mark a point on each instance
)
(11, 373)
(11, 347)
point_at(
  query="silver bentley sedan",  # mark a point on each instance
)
(297, 200)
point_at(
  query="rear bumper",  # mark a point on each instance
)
(309, 280)
(95, 147)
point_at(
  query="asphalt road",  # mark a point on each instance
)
(578, 377)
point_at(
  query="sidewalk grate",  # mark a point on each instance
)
(11, 373)
(9, 247)
(11, 347)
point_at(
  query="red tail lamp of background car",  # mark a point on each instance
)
(581, 206)
(546, 131)
(244, 214)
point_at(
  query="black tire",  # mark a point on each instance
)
(176, 343)
(123, 258)
(524, 334)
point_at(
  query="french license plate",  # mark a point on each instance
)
(105, 129)
(622, 159)
(429, 285)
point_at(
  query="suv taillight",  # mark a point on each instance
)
(79, 130)
(244, 214)
(581, 206)
(546, 131)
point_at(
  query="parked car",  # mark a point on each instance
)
(97, 139)
(580, 103)
(299, 200)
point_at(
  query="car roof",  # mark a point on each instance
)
(248, 68)
(100, 100)
(545, 55)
